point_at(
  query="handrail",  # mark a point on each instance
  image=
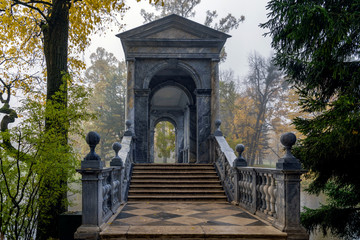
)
(126, 153)
(271, 194)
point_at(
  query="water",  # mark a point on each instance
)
(313, 201)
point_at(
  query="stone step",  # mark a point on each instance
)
(172, 167)
(187, 176)
(176, 191)
(174, 164)
(146, 196)
(174, 181)
(191, 197)
(194, 232)
(178, 172)
(177, 186)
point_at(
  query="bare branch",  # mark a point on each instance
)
(27, 4)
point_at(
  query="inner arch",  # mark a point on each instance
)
(169, 97)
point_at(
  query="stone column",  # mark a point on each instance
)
(193, 133)
(129, 112)
(186, 148)
(152, 145)
(215, 95)
(141, 122)
(203, 100)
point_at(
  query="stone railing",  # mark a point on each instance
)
(271, 194)
(104, 189)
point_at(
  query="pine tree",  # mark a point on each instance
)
(317, 44)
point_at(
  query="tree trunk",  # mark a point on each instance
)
(55, 32)
(254, 145)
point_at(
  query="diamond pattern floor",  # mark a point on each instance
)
(187, 220)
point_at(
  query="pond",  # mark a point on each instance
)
(313, 201)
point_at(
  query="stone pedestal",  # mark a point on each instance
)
(288, 204)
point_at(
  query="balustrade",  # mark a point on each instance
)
(104, 188)
(272, 194)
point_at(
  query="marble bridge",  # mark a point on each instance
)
(209, 193)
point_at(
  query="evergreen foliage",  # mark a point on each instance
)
(317, 44)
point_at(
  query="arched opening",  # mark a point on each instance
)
(172, 99)
(164, 142)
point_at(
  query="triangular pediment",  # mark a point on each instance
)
(173, 37)
(173, 27)
(172, 33)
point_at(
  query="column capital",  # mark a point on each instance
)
(202, 92)
(130, 59)
(142, 92)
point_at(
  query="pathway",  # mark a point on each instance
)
(146, 220)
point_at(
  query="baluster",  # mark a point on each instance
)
(247, 188)
(106, 190)
(272, 192)
(241, 185)
(267, 195)
(117, 163)
(263, 184)
(258, 192)
(116, 188)
(250, 188)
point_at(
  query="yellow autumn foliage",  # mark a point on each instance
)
(22, 23)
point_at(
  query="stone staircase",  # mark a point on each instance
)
(175, 182)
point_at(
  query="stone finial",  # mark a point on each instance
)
(128, 124)
(288, 161)
(218, 131)
(92, 160)
(288, 140)
(116, 161)
(128, 131)
(92, 139)
(240, 161)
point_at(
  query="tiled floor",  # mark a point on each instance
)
(182, 214)
(192, 220)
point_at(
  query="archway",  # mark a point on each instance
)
(171, 101)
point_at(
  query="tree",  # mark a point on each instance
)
(317, 44)
(264, 84)
(251, 110)
(27, 165)
(228, 91)
(56, 30)
(185, 8)
(282, 112)
(164, 140)
(107, 77)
